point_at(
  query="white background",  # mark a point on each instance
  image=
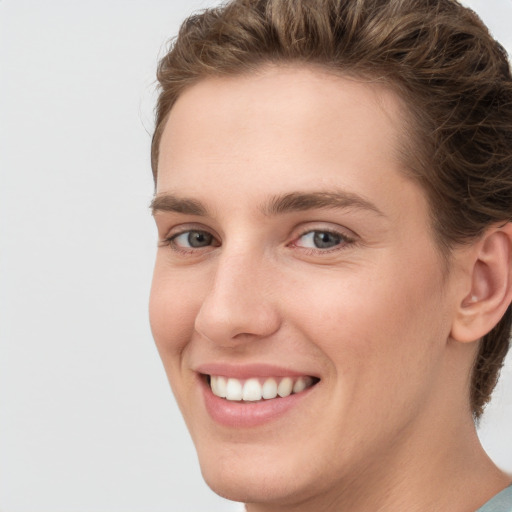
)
(87, 422)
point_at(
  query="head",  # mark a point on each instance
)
(334, 193)
(438, 56)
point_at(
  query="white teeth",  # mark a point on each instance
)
(214, 386)
(285, 387)
(218, 385)
(269, 389)
(234, 389)
(222, 386)
(301, 384)
(252, 390)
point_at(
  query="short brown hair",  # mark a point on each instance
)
(452, 75)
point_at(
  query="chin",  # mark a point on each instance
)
(252, 477)
(252, 487)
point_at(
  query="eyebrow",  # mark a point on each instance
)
(277, 205)
(301, 201)
(170, 203)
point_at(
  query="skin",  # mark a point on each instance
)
(388, 427)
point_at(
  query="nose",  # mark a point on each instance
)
(239, 305)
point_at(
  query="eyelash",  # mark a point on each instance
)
(345, 242)
(171, 241)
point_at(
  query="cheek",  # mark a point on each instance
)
(377, 323)
(171, 314)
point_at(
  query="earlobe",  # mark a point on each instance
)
(490, 286)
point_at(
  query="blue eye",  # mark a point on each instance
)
(320, 240)
(192, 239)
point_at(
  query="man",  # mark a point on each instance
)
(331, 297)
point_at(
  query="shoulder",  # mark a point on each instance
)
(502, 502)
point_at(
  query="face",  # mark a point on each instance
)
(295, 259)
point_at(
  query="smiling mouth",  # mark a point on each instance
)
(258, 389)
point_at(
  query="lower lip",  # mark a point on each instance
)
(248, 414)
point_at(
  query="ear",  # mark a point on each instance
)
(488, 292)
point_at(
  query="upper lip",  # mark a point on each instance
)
(246, 371)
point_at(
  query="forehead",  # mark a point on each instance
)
(282, 126)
